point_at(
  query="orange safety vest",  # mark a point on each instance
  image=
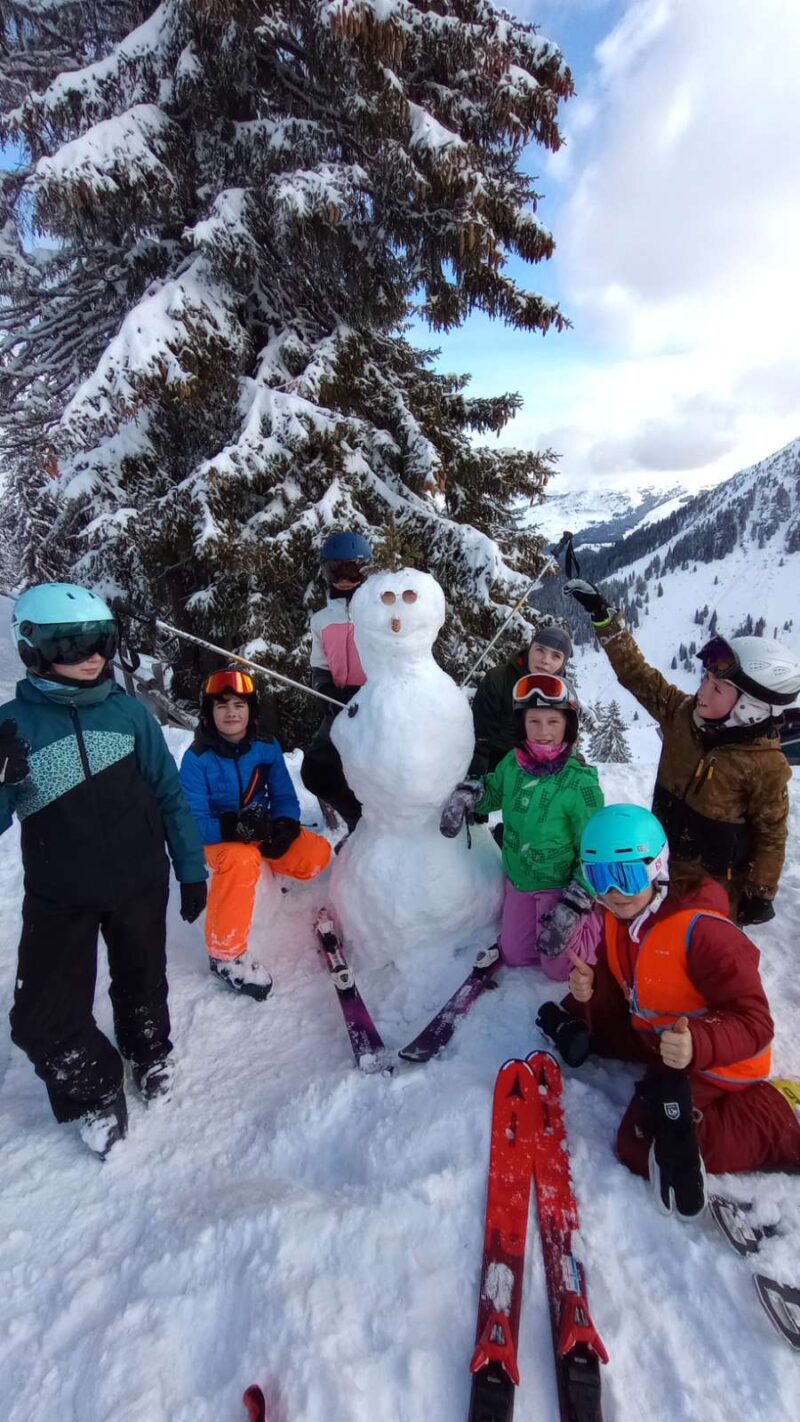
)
(662, 990)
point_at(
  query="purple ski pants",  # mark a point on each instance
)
(522, 920)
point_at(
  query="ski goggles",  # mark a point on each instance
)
(719, 658)
(70, 643)
(628, 879)
(240, 683)
(549, 690)
(348, 570)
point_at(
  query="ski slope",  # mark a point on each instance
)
(289, 1221)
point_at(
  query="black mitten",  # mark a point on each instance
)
(282, 835)
(590, 597)
(14, 765)
(754, 908)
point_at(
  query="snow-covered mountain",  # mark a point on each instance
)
(603, 513)
(728, 558)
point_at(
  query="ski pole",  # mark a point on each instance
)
(533, 586)
(243, 661)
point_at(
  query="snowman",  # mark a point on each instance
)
(399, 888)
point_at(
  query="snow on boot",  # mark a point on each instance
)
(244, 975)
(675, 1166)
(155, 1081)
(103, 1126)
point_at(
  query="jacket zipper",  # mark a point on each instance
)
(698, 779)
(239, 778)
(87, 769)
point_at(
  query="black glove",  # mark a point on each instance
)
(283, 833)
(459, 807)
(754, 908)
(589, 597)
(249, 826)
(676, 1169)
(560, 924)
(570, 1034)
(14, 766)
(193, 900)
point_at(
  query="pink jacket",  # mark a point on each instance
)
(333, 644)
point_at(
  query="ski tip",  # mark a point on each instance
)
(781, 1303)
(255, 1404)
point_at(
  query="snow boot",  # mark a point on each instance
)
(675, 1165)
(244, 975)
(155, 1081)
(103, 1126)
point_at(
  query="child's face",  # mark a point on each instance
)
(545, 660)
(81, 671)
(716, 699)
(545, 727)
(231, 717)
(627, 906)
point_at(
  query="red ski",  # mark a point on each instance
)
(255, 1403)
(494, 1362)
(578, 1347)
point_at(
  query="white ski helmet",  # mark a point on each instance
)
(765, 673)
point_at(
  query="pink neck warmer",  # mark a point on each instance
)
(538, 751)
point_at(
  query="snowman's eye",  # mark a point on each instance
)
(409, 595)
(388, 598)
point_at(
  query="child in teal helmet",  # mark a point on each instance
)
(676, 985)
(87, 772)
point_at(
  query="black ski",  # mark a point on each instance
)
(781, 1303)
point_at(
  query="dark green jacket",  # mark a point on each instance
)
(492, 713)
(102, 797)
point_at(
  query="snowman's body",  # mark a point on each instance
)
(406, 739)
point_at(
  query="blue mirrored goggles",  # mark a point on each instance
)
(628, 879)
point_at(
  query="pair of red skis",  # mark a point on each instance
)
(529, 1144)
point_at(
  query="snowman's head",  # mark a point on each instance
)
(397, 617)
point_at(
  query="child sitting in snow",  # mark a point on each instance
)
(677, 986)
(547, 795)
(242, 798)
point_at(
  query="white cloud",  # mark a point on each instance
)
(678, 239)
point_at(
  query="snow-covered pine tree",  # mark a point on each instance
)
(609, 744)
(236, 210)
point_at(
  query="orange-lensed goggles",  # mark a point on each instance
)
(239, 682)
(542, 688)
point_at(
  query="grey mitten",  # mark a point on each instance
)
(560, 925)
(459, 807)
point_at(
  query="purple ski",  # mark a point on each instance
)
(367, 1044)
(433, 1038)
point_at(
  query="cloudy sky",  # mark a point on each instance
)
(676, 207)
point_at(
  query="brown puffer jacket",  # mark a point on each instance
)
(726, 805)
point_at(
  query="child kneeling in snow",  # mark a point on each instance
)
(677, 985)
(242, 798)
(547, 795)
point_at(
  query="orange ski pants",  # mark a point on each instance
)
(235, 872)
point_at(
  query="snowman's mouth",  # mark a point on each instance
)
(397, 625)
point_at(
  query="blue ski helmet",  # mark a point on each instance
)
(61, 622)
(624, 847)
(346, 557)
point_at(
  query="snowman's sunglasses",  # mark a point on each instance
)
(408, 596)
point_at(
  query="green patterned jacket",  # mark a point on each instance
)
(543, 820)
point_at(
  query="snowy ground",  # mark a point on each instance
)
(291, 1221)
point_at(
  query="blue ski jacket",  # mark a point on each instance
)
(219, 776)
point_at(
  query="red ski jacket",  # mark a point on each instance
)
(723, 967)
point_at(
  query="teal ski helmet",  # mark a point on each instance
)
(624, 847)
(61, 622)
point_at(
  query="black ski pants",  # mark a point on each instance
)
(52, 1019)
(323, 775)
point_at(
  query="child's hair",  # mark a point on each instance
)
(686, 877)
